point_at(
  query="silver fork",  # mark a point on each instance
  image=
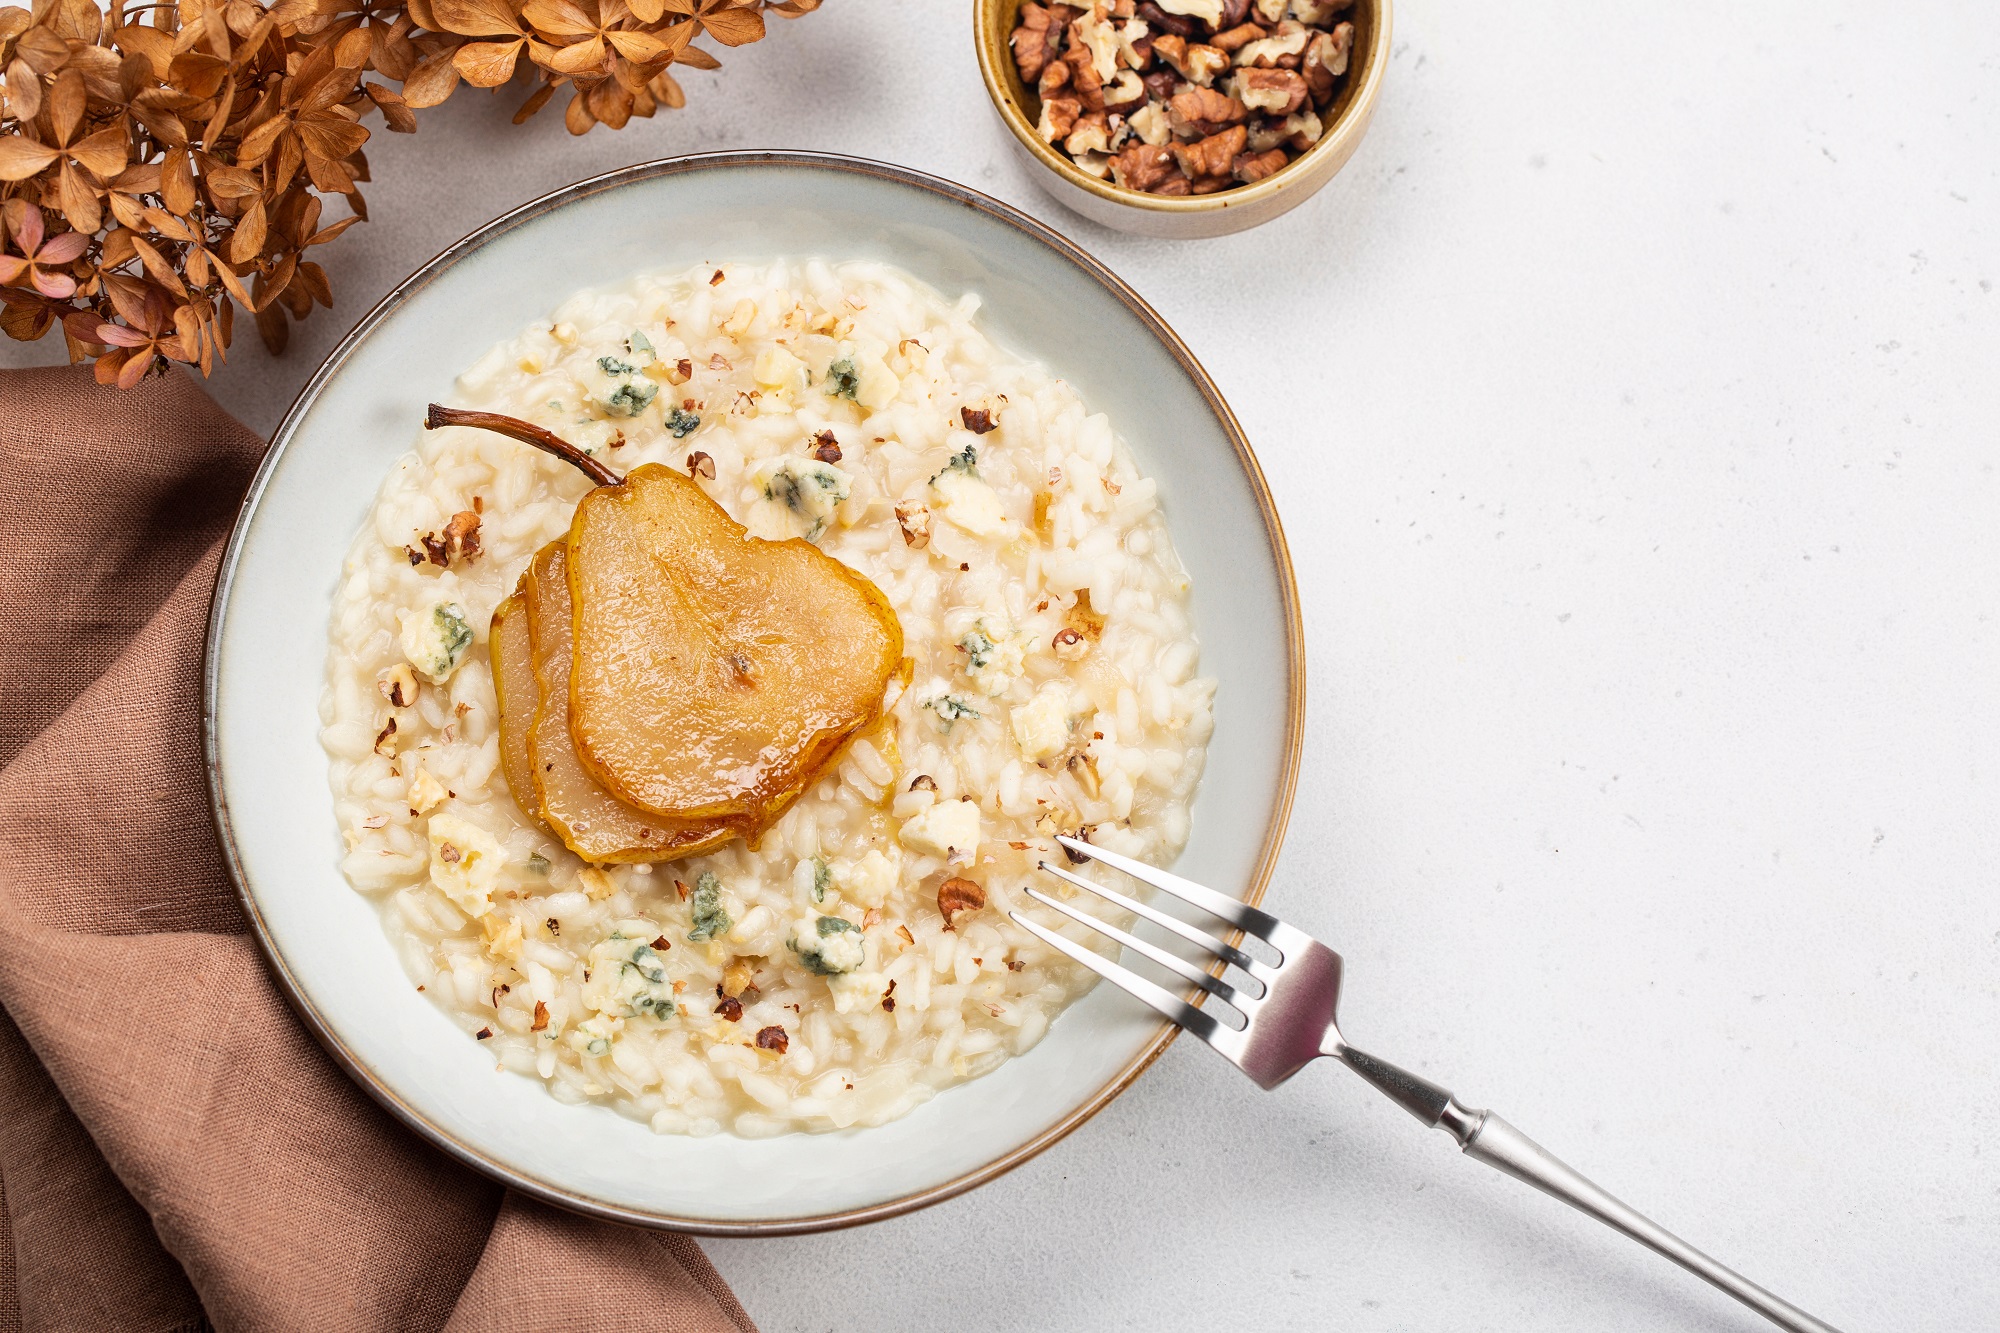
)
(1288, 1022)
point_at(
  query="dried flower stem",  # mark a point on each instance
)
(527, 432)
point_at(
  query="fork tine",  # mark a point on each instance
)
(1178, 966)
(1201, 939)
(1238, 914)
(1169, 1005)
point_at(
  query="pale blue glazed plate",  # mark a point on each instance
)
(267, 648)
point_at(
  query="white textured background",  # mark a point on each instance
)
(1632, 401)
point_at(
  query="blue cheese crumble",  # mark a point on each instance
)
(709, 921)
(995, 656)
(828, 946)
(627, 977)
(435, 641)
(809, 489)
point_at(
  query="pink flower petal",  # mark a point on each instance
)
(28, 232)
(55, 286)
(63, 249)
(117, 335)
(11, 268)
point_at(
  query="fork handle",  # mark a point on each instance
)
(1487, 1138)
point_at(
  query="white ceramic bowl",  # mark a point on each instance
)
(268, 641)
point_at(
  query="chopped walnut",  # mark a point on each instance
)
(1035, 41)
(1199, 112)
(1213, 156)
(825, 448)
(1326, 61)
(385, 740)
(1252, 167)
(730, 1008)
(737, 976)
(1083, 618)
(1143, 166)
(773, 1038)
(1117, 81)
(1235, 39)
(1282, 49)
(1125, 94)
(398, 685)
(1058, 117)
(957, 895)
(1274, 92)
(978, 420)
(915, 521)
(701, 465)
(541, 1017)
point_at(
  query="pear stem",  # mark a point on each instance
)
(527, 433)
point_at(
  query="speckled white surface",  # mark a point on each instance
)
(1631, 402)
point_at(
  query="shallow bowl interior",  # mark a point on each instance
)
(1343, 123)
(361, 412)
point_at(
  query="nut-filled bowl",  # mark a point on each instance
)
(1184, 124)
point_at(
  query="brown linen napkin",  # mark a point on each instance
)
(174, 1149)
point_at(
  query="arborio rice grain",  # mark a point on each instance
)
(809, 983)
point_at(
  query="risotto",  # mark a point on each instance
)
(859, 957)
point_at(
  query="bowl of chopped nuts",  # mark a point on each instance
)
(1184, 118)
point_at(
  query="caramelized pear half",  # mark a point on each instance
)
(716, 672)
(591, 821)
(514, 683)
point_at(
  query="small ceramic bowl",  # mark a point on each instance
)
(1345, 121)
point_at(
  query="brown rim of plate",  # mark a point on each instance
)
(1343, 123)
(211, 657)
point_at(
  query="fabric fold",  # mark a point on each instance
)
(178, 1148)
